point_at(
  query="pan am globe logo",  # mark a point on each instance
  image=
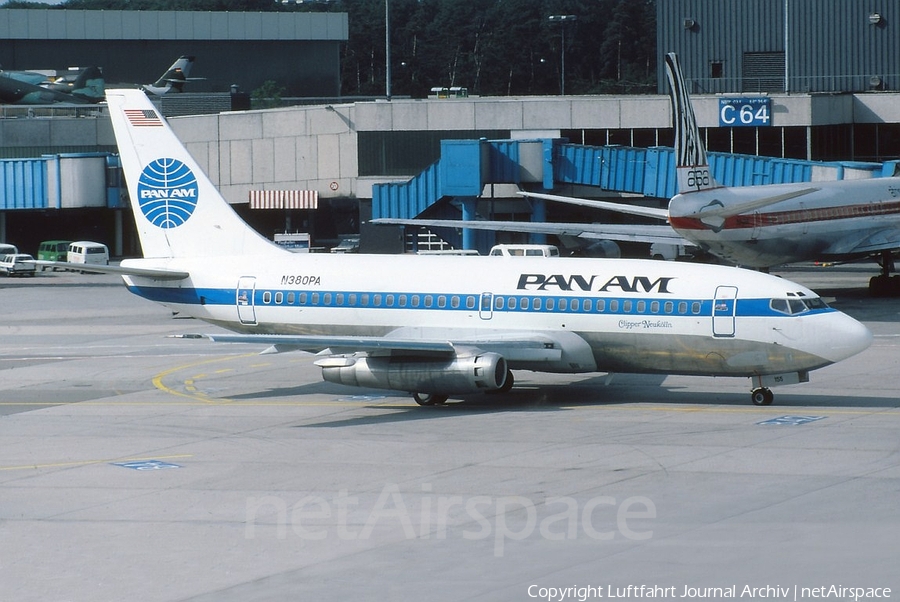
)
(167, 193)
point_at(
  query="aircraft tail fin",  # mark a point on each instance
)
(89, 85)
(174, 78)
(177, 209)
(692, 168)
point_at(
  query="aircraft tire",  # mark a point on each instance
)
(884, 286)
(429, 399)
(762, 397)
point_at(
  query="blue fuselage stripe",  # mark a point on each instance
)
(494, 302)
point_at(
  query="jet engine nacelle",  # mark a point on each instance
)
(466, 374)
(607, 249)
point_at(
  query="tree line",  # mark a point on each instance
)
(490, 47)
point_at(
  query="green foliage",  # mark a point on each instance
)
(267, 95)
(500, 47)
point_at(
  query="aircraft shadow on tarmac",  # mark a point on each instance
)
(591, 392)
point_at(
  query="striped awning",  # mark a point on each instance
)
(284, 199)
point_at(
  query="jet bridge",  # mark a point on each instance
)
(450, 187)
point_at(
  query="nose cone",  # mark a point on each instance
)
(841, 338)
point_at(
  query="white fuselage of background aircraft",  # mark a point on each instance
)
(833, 220)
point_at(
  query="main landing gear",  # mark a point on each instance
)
(762, 396)
(429, 399)
(885, 285)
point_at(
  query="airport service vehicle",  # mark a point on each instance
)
(438, 326)
(17, 264)
(85, 252)
(525, 250)
(53, 250)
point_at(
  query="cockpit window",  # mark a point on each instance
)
(780, 305)
(797, 306)
(816, 303)
(794, 306)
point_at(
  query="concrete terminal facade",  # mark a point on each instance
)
(339, 150)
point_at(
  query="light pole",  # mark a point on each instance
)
(562, 20)
(387, 49)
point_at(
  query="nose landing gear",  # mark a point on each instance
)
(761, 396)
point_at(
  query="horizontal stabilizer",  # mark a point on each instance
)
(605, 205)
(153, 273)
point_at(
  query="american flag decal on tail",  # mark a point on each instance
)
(143, 118)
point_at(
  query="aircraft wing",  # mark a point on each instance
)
(515, 347)
(662, 214)
(13, 91)
(154, 273)
(621, 232)
(886, 239)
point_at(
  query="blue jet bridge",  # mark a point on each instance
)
(451, 187)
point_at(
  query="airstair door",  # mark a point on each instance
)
(244, 299)
(486, 306)
(724, 307)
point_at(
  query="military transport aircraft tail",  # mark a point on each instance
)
(88, 85)
(177, 209)
(174, 78)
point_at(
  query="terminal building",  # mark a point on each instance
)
(827, 70)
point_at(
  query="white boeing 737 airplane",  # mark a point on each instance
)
(438, 326)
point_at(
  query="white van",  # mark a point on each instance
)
(87, 252)
(8, 249)
(525, 250)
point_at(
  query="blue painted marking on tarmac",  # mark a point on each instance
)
(146, 465)
(363, 398)
(791, 420)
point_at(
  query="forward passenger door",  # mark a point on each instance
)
(724, 308)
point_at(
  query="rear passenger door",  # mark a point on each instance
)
(246, 308)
